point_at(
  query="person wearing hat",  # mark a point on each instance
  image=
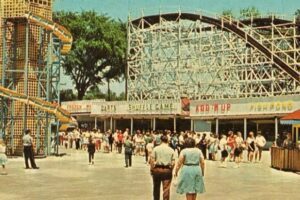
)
(260, 142)
(28, 150)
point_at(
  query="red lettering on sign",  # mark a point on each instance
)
(216, 107)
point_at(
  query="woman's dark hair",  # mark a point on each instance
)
(189, 142)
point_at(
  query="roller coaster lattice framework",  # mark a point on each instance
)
(177, 55)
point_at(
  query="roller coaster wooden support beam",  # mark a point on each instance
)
(228, 26)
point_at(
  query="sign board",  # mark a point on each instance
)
(137, 107)
(247, 106)
(83, 106)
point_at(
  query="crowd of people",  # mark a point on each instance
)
(226, 147)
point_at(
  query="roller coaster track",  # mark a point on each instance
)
(66, 39)
(230, 26)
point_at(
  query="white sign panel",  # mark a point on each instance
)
(79, 106)
(261, 105)
(137, 107)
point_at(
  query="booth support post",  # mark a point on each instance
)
(217, 126)
(131, 126)
(154, 124)
(276, 128)
(174, 121)
(95, 122)
(245, 128)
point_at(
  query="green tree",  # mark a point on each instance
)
(249, 12)
(227, 14)
(94, 93)
(99, 45)
(121, 97)
(67, 95)
(297, 13)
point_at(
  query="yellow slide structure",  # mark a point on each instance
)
(59, 31)
(62, 115)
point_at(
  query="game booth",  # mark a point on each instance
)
(288, 157)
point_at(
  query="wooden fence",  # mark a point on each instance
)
(285, 159)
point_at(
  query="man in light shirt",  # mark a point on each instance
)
(28, 150)
(162, 162)
(260, 142)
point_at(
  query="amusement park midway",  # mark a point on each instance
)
(70, 177)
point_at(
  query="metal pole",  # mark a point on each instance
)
(111, 124)
(217, 126)
(174, 128)
(48, 96)
(154, 124)
(3, 123)
(151, 124)
(26, 75)
(131, 125)
(192, 125)
(245, 128)
(276, 128)
(95, 122)
(114, 124)
(104, 125)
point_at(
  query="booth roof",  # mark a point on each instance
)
(292, 116)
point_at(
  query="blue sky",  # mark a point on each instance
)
(120, 9)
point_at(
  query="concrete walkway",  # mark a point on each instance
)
(70, 177)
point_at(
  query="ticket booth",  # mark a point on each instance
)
(293, 119)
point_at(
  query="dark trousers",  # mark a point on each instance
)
(128, 159)
(111, 146)
(166, 182)
(77, 143)
(91, 157)
(28, 154)
(119, 145)
(146, 154)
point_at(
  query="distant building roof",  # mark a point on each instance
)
(292, 118)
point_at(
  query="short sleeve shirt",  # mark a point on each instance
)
(27, 140)
(163, 155)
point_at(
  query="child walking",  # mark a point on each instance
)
(3, 158)
(91, 150)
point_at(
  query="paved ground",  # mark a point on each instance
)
(70, 177)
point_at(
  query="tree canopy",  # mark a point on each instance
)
(297, 13)
(249, 12)
(98, 50)
(227, 14)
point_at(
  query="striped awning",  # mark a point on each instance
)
(292, 118)
(289, 122)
